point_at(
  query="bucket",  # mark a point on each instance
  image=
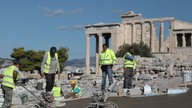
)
(147, 90)
(39, 85)
(125, 92)
(119, 91)
(186, 76)
(24, 98)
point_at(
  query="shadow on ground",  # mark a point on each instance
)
(165, 101)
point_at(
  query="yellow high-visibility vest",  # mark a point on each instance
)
(129, 63)
(8, 80)
(48, 61)
(107, 57)
(73, 90)
(56, 92)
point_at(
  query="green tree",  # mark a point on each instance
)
(63, 56)
(139, 49)
(31, 60)
(18, 53)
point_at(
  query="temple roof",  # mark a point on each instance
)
(130, 14)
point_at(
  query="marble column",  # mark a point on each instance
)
(143, 32)
(87, 62)
(161, 40)
(175, 39)
(183, 40)
(99, 49)
(152, 35)
(191, 39)
(133, 39)
(171, 34)
(97, 54)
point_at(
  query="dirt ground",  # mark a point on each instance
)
(165, 101)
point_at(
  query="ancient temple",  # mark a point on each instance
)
(135, 29)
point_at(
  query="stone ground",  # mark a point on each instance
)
(164, 101)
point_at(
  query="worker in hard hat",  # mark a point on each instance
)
(75, 91)
(57, 91)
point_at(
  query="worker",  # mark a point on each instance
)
(75, 91)
(106, 61)
(49, 67)
(129, 67)
(9, 79)
(57, 91)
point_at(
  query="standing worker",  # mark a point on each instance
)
(106, 61)
(9, 79)
(129, 67)
(49, 67)
(75, 91)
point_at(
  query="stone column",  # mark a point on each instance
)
(100, 42)
(133, 37)
(152, 37)
(87, 62)
(143, 32)
(191, 39)
(175, 40)
(99, 48)
(161, 41)
(171, 34)
(183, 40)
(97, 54)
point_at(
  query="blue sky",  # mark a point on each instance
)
(40, 24)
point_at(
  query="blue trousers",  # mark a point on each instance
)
(106, 70)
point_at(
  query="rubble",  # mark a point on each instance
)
(154, 76)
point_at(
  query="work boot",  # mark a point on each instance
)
(103, 91)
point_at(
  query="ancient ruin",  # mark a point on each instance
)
(167, 73)
(135, 29)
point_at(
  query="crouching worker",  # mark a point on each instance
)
(75, 91)
(57, 92)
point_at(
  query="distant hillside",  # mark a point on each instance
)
(80, 62)
(74, 62)
(5, 62)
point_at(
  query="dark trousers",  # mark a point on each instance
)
(8, 94)
(50, 81)
(128, 76)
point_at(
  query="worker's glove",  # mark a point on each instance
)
(1, 75)
(42, 75)
(114, 62)
(19, 82)
(41, 80)
(100, 66)
(65, 96)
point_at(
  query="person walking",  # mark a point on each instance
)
(49, 67)
(75, 91)
(129, 67)
(106, 61)
(9, 79)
